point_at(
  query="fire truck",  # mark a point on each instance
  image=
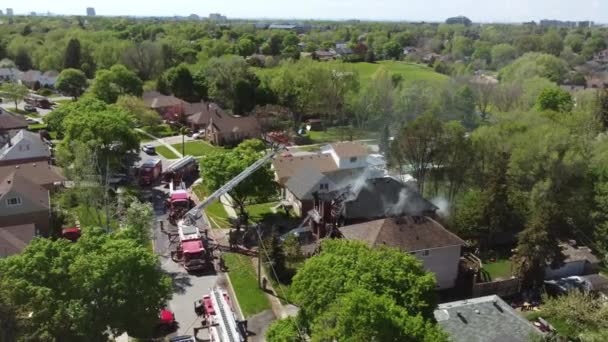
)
(150, 170)
(179, 202)
(184, 168)
(191, 250)
(219, 317)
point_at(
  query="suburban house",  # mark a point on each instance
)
(426, 239)
(335, 167)
(199, 114)
(10, 124)
(409, 49)
(162, 103)
(49, 78)
(228, 129)
(343, 49)
(601, 57)
(9, 74)
(31, 79)
(483, 319)
(579, 261)
(24, 147)
(24, 212)
(322, 55)
(42, 174)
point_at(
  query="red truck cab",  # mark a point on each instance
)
(150, 171)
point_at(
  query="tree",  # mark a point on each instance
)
(346, 266)
(416, 147)
(144, 57)
(229, 78)
(554, 99)
(142, 114)
(507, 96)
(56, 118)
(118, 80)
(218, 169)
(601, 107)
(456, 154)
(535, 64)
(14, 92)
(582, 313)
(276, 257)
(72, 58)
(484, 92)
(362, 315)
(72, 82)
(503, 54)
(180, 82)
(284, 330)
(84, 291)
(552, 43)
(23, 61)
(138, 221)
(392, 50)
(462, 47)
(245, 47)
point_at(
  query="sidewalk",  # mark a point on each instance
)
(160, 141)
(280, 311)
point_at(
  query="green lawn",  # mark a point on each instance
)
(198, 148)
(215, 212)
(410, 71)
(160, 131)
(165, 152)
(257, 211)
(245, 284)
(561, 326)
(501, 269)
(62, 101)
(333, 134)
(36, 127)
(91, 217)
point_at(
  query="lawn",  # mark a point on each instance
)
(410, 71)
(91, 217)
(258, 211)
(245, 284)
(165, 152)
(500, 269)
(36, 127)
(198, 148)
(160, 131)
(333, 134)
(561, 326)
(215, 211)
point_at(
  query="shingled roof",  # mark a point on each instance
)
(10, 121)
(25, 145)
(156, 100)
(287, 166)
(13, 239)
(408, 233)
(40, 173)
(347, 149)
(37, 195)
(483, 319)
(304, 183)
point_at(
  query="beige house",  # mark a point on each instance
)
(23, 205)
(426, 239)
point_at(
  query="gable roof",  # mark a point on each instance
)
(9, 120)
(347, 149)
(483, 319)
(384, 196)
(408, 233)
(13, 239)
(30, 76)
(287, 166)
(304, 182)
(36, 194)
(25, 145)
(156, 100)
(226, 123)
(40, 173)
(200, 113)
(578, 253)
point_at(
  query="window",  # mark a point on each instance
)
(353, 159)
(324, 186)
(425, 252)
(13, 201)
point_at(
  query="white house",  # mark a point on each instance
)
(24, 147)
(579, 261)
(9, 74)
(426, 239)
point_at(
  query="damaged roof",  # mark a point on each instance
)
(304, 183)
(384, 196)
(408, 233)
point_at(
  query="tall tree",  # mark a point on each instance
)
(141, 113)
(228, 78)
(23, 61)
(13, 92)
(72, 58)
(146, 58)
(554, 99)
(181, 83)
(416, 147)
(87, 290)
(217, 169)
(72, 82)
(118, 80)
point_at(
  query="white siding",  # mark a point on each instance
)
(297, 205)
(443, 262)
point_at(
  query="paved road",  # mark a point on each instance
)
(187, 287)
(10, 106)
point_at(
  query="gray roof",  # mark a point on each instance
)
(484, 319)
(25, 145)
(380, 197)
(303, 183)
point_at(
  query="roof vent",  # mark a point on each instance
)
(495, 303)
(464, 320)
(477, 311)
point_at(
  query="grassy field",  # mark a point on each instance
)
(409, 71)
(244, 281)
(332, 134)
(198, 148)
(501, 269)
(215, 212)
(165, 152)
(161, 131)
(258, 211)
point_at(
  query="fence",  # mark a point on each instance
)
(502, 288)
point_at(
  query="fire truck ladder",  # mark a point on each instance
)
(194, 213)
(227, 322)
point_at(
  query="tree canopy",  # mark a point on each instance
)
(118, 80)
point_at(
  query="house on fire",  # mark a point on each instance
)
(337, 165)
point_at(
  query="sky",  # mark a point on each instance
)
(409, 10)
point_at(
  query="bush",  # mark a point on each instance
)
(44, 92)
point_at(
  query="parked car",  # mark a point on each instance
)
(148, 149)
(30, 109)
